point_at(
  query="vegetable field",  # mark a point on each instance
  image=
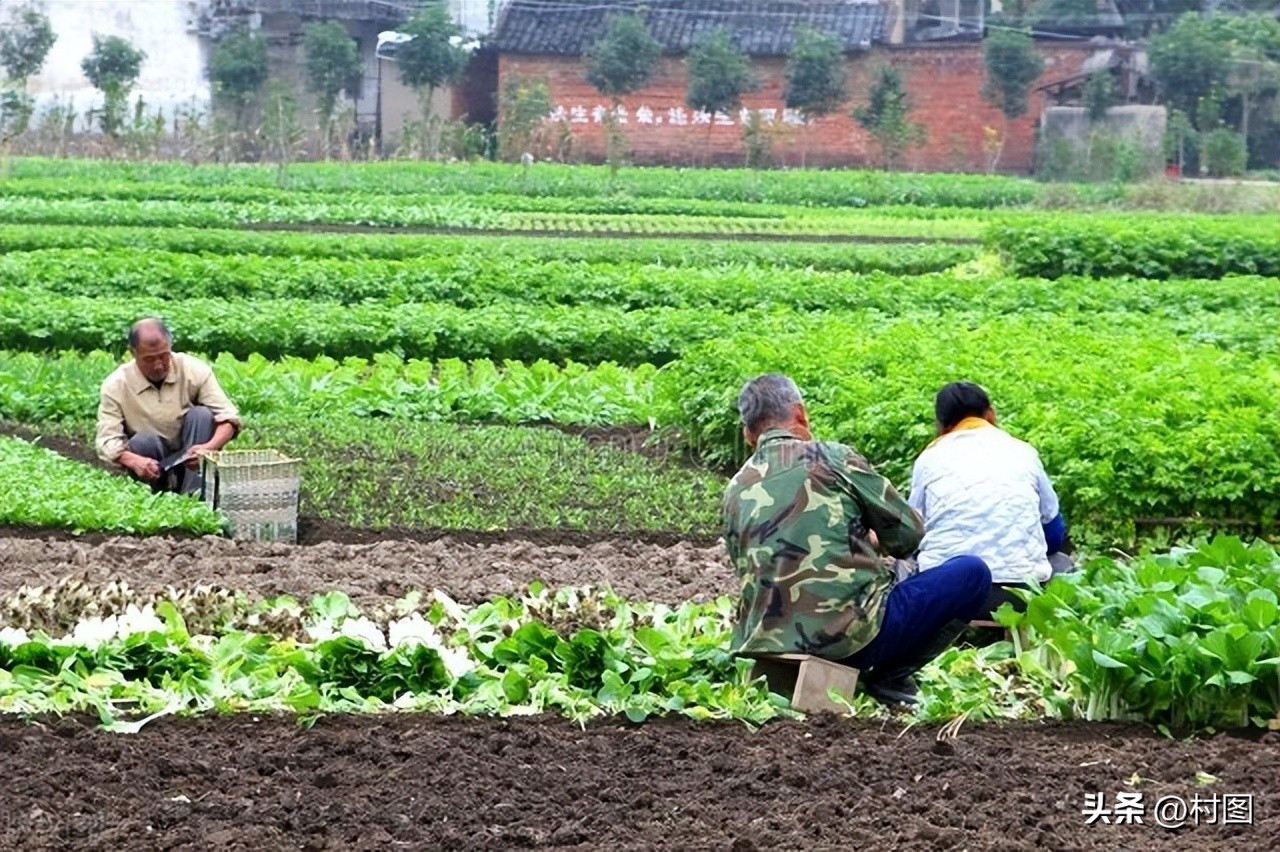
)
(512, 390)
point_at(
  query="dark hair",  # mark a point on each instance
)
(959, 400)
(155, 322)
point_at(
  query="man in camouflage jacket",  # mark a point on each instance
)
(817, 538)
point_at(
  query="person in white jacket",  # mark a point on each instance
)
(983, 492)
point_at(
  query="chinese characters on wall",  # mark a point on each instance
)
(676, 116)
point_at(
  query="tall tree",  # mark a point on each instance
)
(113, 66)
(1189, 62)
(719, 75)
(238, 70)
(25, 41)
(433, 58)
(816, 83)
(886, 117)
(621, 63)
(332, 62)
(815, 78)
(1013, 65)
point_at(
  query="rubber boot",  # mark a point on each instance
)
(897, 685)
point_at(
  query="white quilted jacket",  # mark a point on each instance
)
(983, 492)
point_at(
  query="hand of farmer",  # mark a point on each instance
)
(193, 455)
(142, 467)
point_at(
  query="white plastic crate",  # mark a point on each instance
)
(257, 490)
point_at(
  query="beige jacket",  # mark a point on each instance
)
(130, 404)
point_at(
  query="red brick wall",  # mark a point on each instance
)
(944, 82)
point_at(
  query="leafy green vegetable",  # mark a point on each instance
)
(42, 488)
(1188, 641)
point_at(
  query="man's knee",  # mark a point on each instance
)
(147, 444)
(972, 578)
(198, 416)
(197, 425)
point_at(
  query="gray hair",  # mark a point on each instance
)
(767, 399)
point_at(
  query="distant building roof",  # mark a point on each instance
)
(1064, 19)
(756, 27)
(210, 12)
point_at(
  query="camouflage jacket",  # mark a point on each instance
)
(796, 518)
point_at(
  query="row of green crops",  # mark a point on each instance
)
(502, 657)
(64, 388)
(1148, 249)
(471, 282)
(480, 213)
(42, 488)
(279, 327)
(1234, 315)
(1187, 641)
(901, 259)
(427, 476)
(805, 188)
(1132, 423)
(1096, 402)
(466, 213)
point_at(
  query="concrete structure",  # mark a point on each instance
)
(173, 75)
(1067, 137)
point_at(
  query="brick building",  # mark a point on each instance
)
(935, 43)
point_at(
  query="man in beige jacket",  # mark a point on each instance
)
(158, 412)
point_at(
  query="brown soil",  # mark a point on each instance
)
(373, 573)
(66, 445)
(448, 782)
(417, 781)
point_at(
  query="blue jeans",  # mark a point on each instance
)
(920, 606)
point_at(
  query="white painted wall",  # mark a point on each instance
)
(173, 74)
(473, 15)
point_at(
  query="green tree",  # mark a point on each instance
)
(719, 75)
(1221, 67)
(25, 42)
(238, 70)
(1099, 95)
(112, 66)
(1013, 65)
(433, 58)
(815, 75)
(332, 62)
(621, 63)
(522, 111)
(885, 117)
(1223, 153)
(815, 78)
(1189, 62)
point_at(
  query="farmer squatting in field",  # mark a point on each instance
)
(158, 412)
(821, 544)
(983, 492)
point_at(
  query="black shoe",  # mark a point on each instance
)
(893, 688)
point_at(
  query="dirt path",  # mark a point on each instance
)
(373, 573)
(445, 782)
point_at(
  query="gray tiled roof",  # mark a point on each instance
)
(757, 27)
